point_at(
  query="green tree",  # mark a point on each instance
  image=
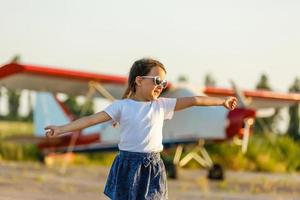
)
(79, 110)
(263, 83)
(183, 79)
(16, 59)
(72, 105)
(266, 124)
(13, 104)
(87, 108)
(293, 129)
(29, 116)
(209, 81)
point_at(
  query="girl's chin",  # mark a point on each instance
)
(154, 97)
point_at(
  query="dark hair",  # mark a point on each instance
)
(140, 68)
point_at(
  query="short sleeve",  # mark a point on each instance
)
(114, 110)
(168, 106)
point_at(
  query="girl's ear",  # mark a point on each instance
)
(138, 80)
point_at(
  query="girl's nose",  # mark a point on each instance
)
(159, 87)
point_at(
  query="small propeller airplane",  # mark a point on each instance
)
(191, 126)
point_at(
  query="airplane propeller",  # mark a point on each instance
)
(260, 113)
(248, 122)
(243, 102)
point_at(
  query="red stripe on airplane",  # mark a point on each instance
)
(13, 68)
(10, 69)
(257, 94)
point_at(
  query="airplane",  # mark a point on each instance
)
(190, 126)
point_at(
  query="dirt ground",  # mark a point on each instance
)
(33, 181)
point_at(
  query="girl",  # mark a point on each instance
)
(137, 172)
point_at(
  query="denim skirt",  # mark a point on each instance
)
(137, 176)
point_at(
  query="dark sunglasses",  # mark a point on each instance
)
(157, 80)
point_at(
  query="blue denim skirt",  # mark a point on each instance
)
(137, 176)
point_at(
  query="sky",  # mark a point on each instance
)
(236, 40)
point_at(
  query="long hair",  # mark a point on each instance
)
(140, 68)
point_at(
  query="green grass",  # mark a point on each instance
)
(266, 152)
(99, 158)
(13, 151)
(18, 152)
(9, 128)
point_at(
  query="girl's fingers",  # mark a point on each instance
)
(48, 127)
(232, 102)
(49, 132)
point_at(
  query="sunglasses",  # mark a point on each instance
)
(157, 81)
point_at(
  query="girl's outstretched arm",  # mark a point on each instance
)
(54, 131)
(185, 102)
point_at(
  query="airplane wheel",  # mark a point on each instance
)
(172, 171)
(216, 172)
(41, 158)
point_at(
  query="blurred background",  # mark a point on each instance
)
(203, 43)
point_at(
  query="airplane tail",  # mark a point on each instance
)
(48, 111)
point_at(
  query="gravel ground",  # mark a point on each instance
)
(33, 181)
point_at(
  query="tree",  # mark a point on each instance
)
(263, 83)
(293, 129)
(16, 59)
(72, 105)
(13, 104)
(87, 108)
(76, 109)
(13, 97)
(209, 80)
(265, 124)
(183, 79)
(29, 117)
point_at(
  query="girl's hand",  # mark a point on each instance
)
(230, 102)
(52, 131)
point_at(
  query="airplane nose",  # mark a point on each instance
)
(237, 119)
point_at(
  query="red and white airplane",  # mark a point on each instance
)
(193, 125)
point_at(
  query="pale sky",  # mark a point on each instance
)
(236, 40)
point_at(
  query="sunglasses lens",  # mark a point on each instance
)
(157, 80)
(160, 82)
(164, 83)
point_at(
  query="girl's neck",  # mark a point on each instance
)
(137, 97)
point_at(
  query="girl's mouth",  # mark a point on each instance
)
(156, 92)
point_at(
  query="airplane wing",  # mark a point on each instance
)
(258, 99)
(39, 78)
(42, 78)
(45, 79)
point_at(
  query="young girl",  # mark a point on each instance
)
(138, 172)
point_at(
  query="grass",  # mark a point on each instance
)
(12, 151)
(9, 128)
(101, 158)
(266, 152)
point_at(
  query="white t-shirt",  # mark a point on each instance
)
(141, 122)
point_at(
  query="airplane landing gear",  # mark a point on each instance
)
(216, 172)
(199, 154)
(172, 170)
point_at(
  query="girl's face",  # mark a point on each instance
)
(147, 88)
